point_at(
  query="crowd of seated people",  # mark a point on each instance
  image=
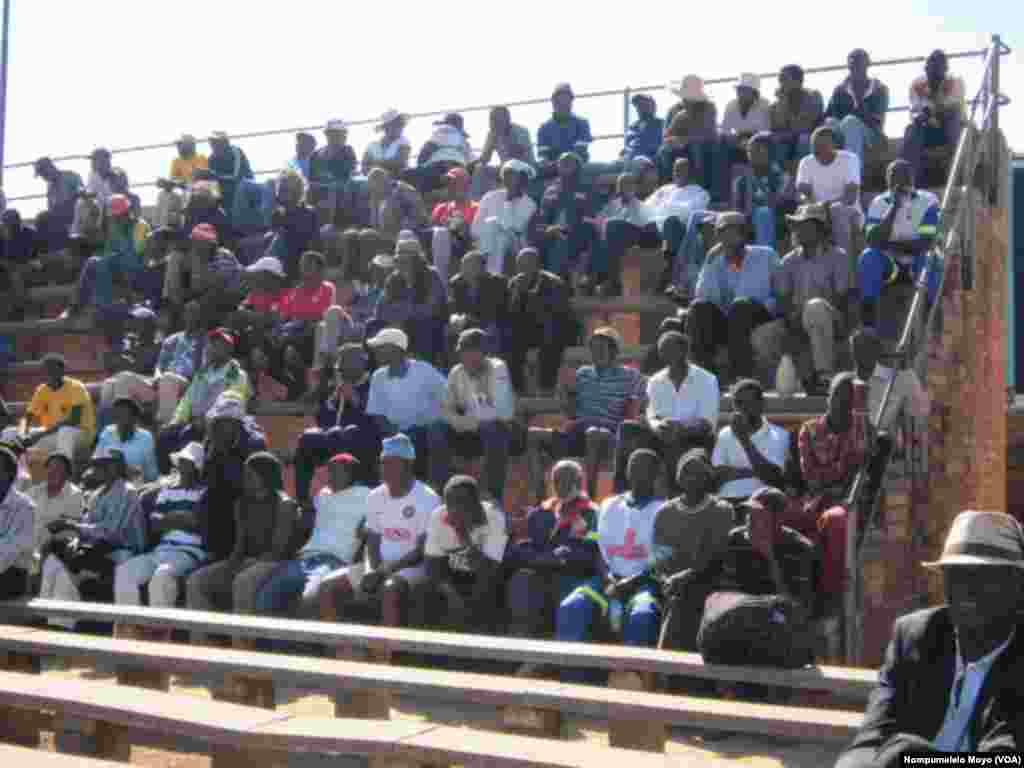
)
(416, 354)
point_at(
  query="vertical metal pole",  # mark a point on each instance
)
(626, 95)
(3, 85)
(995, 146)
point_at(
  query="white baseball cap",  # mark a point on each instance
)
(394, 336)
(267, 264)
(194, 453)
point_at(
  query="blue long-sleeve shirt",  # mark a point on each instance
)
(139, 450)
(643, 138)
(560, 134)
(720, 284)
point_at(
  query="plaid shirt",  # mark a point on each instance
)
(827, 459)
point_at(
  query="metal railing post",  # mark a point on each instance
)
(626, 96)
(993, 85)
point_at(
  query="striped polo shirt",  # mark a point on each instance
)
(177, 499)
(602, 396)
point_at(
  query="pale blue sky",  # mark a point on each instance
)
(121, 73)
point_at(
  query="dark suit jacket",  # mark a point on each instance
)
(915, 682)
(489, 305)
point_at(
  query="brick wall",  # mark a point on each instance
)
(967, 382)
(967, 439)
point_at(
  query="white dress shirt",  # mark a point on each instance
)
(697, 398)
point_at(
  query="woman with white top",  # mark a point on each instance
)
(505, 217)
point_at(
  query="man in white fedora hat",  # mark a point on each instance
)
(691, 131)
(747, 114)
(951, 681)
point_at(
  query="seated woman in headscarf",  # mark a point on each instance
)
(691, 537)
(112, 529)
(415, 300)
(559, 553)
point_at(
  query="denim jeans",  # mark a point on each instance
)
(638, 619)
(920, 136)
(875, 267)
(293, 580)
(858, 136)
(763, 219)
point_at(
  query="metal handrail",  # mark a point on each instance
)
(626, 92)
(965, 163)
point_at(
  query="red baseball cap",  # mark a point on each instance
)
(458, 173)
(205, 232)
(223, 334)
(344, 458)
(120, 205)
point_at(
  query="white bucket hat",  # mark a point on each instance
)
(749, 80)
(335, 125)
(393, 336)
(194, 453)
(982, 538)
(691, 88)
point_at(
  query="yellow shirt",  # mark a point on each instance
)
(184, 167)
(50, 407)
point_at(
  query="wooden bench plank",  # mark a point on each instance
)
(844, 682)
(242, 733)
(20, 757)
(486, 690)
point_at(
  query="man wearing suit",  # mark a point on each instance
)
(539, 315)
(951, 680)
(477, 299)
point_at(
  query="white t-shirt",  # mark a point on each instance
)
(671, 200)
(697, 398)
(511, 216)
(770, 440)
(338, 516)
(625, 532)
(399, 522)
(829, 181)
(412, 400)
(490, 538)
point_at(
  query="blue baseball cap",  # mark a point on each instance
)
(398, 447)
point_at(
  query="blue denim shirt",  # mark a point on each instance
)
(643, 139)
(722, 286)
(566, 134)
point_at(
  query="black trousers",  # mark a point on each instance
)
(525, 334)
(711, 328)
